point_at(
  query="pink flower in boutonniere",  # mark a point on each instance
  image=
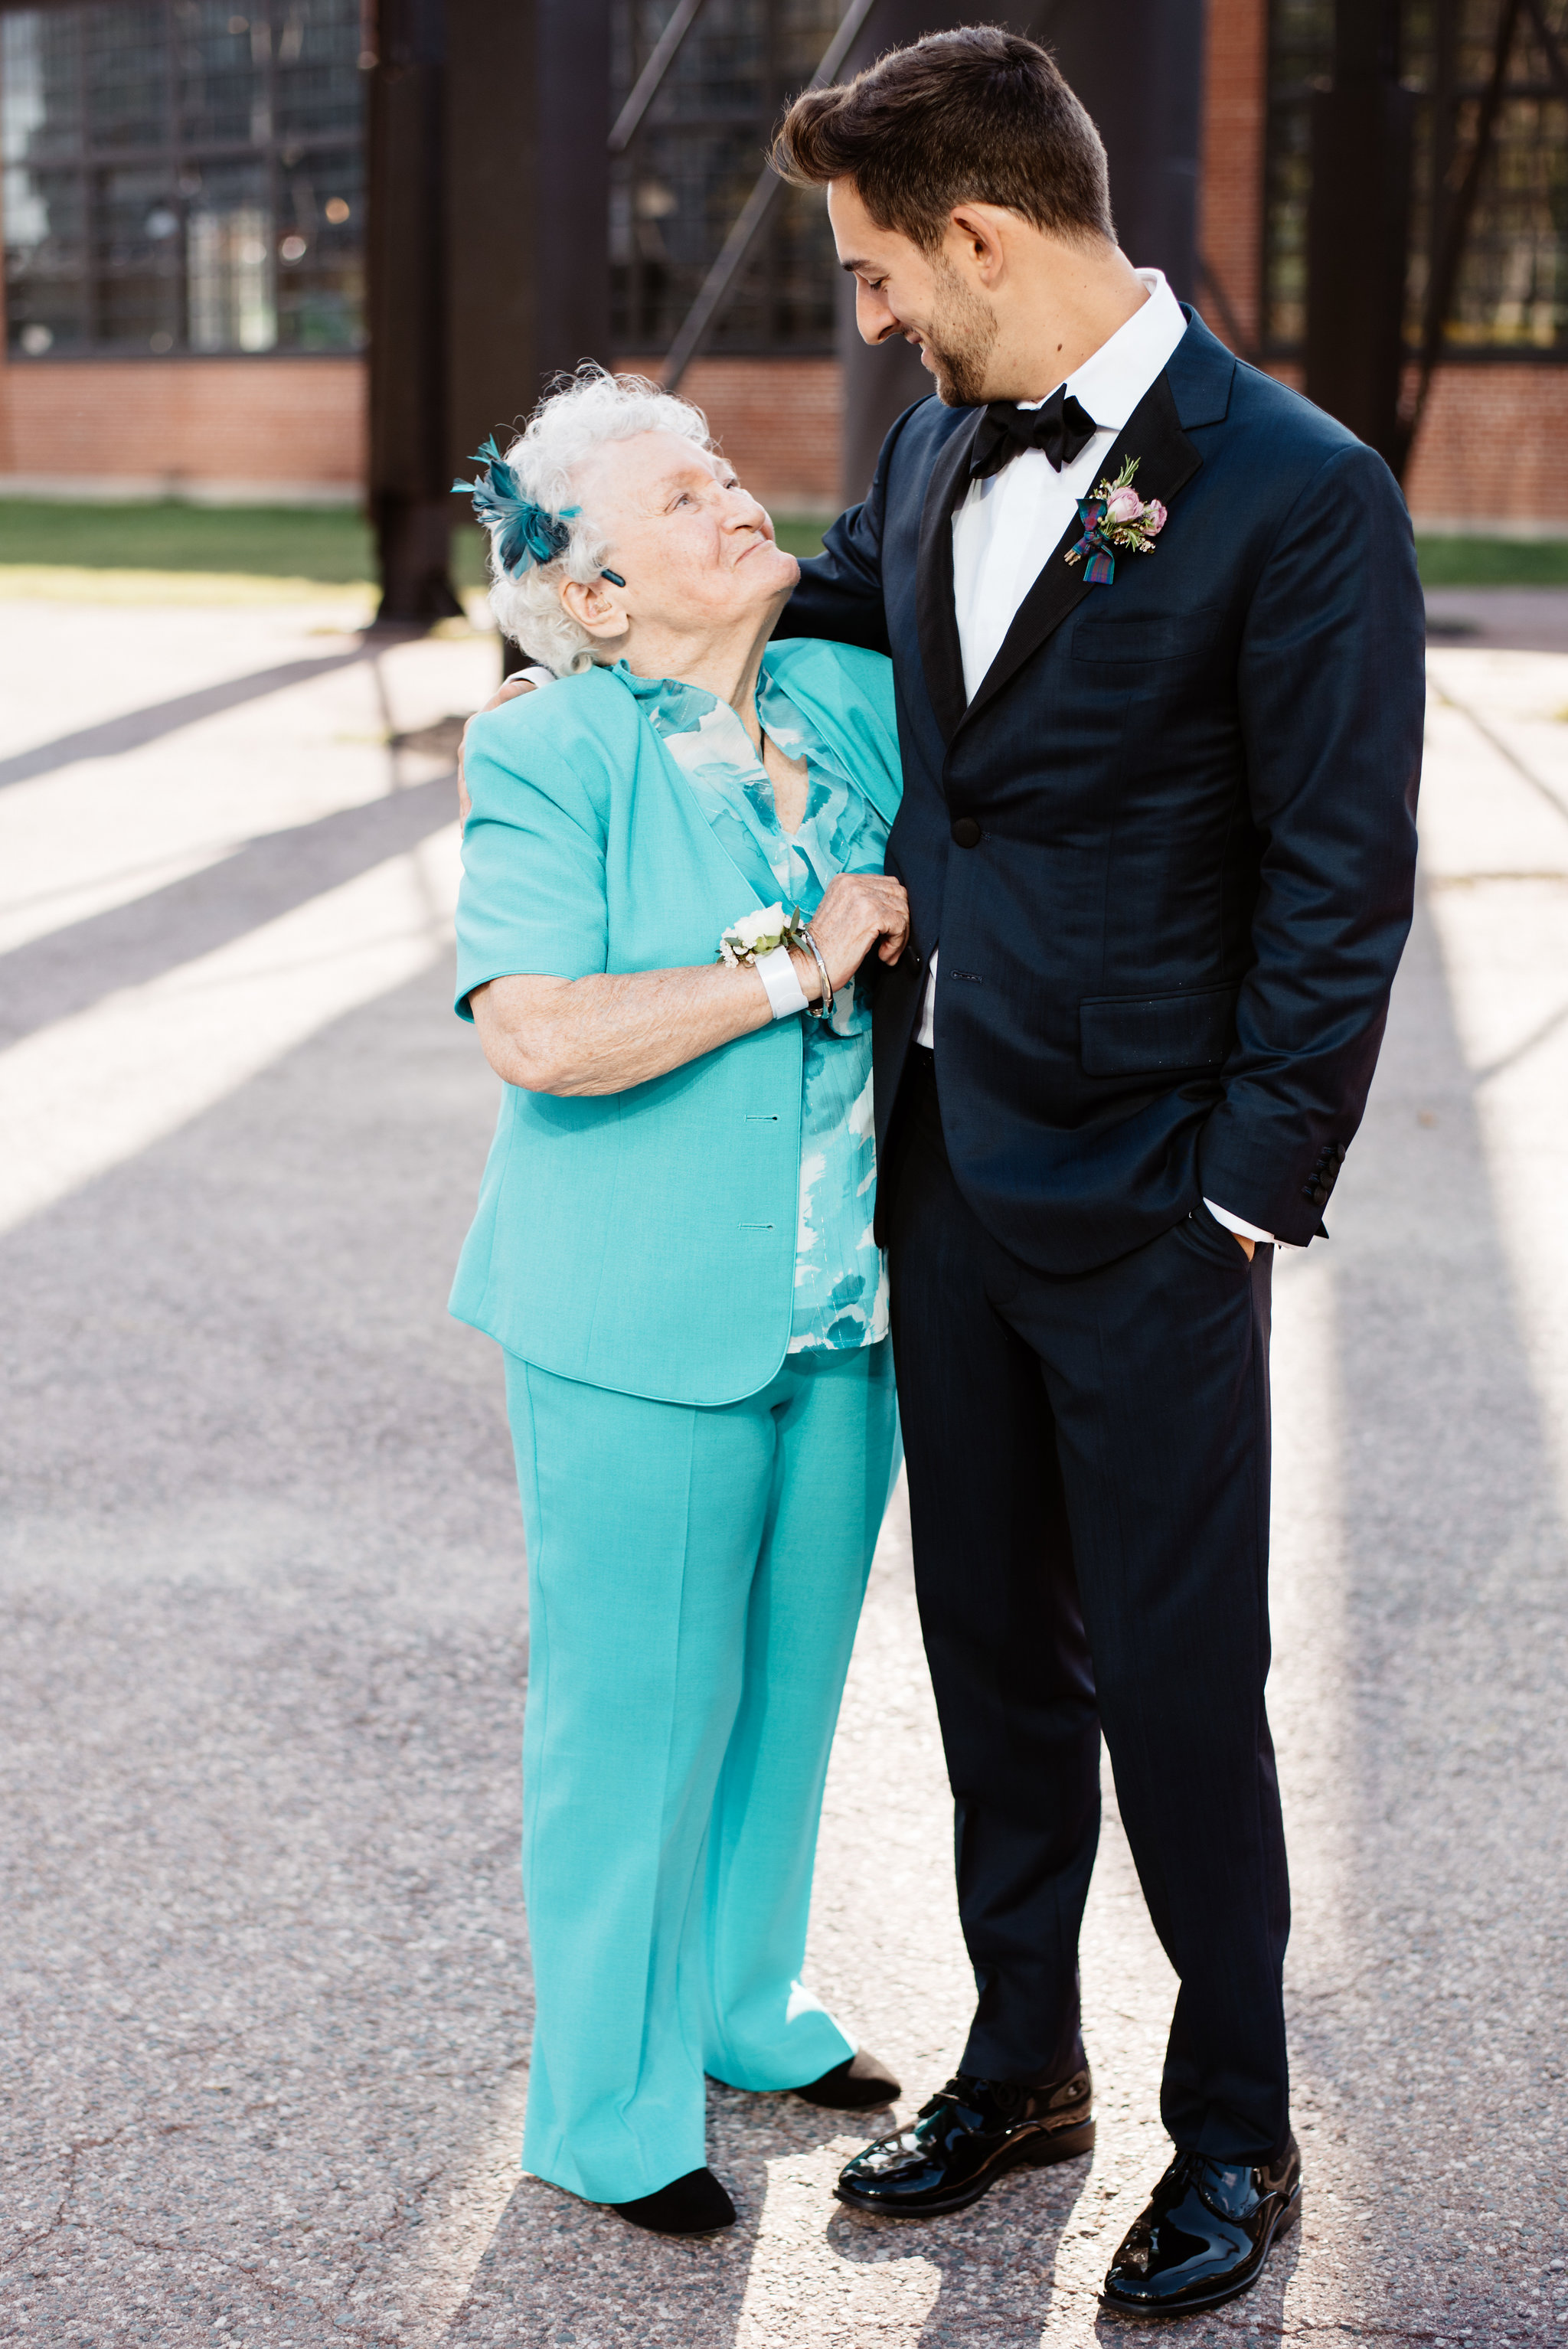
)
(1115, 521)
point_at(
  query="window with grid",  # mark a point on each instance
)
(1511, 299)
(677, 191)
(183, 177)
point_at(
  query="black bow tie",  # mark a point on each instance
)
(1059, 426)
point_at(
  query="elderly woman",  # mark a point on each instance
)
(674, 1247)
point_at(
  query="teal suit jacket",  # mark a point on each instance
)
(643, 1240)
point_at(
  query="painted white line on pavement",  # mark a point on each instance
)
(92, 1090)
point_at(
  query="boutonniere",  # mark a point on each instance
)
(1115, 521)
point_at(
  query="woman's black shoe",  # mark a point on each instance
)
(966, 2137)
(696, 2204)
(859, 2084)
(1208, 2229)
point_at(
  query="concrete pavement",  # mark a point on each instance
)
(261, 1937)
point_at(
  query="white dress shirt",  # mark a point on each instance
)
(1008, 526)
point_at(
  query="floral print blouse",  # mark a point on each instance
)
(841, 1279)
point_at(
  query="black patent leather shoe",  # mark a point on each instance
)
(1205, 2238)
(859, 2084)
(970, 2134)
(696, 2204)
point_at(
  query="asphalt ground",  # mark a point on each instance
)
(262, 1943)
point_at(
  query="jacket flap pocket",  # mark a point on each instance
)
(1149, 636)
(1120, 1035)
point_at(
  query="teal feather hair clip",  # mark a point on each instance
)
(521, 533)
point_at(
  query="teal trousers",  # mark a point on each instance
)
(695, 1577)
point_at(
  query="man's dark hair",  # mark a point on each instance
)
(977, 116)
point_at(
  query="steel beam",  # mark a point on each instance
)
(1358, 226)
(1137, 66)
(406, 265)
(650, 81)
(489, 250)
(528, 250)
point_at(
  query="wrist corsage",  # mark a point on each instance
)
(763, 941)
(758, 934)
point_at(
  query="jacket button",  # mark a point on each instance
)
(965, 833)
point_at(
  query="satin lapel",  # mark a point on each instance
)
(940, 654)
(1168, 461)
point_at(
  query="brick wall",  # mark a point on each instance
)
(777, 421)
(183, 423)
(186, 422)
(1494, 445)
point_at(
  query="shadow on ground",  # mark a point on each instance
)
(261, 1941)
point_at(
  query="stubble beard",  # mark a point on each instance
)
(962, 338)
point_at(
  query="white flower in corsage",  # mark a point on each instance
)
(758, 933)
(756, 936)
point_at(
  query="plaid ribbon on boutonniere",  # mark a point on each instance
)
(1115, 521)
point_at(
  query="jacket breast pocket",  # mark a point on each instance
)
(1133, 1035)
(1144, 637)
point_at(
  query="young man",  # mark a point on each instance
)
(1158, 835)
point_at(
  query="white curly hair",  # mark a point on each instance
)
(581, 413)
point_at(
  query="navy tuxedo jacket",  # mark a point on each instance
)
(1169, 848)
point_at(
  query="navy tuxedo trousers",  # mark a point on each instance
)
(1088, 1480)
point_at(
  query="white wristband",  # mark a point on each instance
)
(778, 976)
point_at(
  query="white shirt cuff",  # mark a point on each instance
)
(534, 674)
(926, 1033)
(1239, 1224)
(778, 976)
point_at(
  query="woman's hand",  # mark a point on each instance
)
(509, 692)
(858, 911)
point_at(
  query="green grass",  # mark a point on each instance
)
(802, 534)
(329, 544)
(1445, 562)
(1494, 562)
(332, 544)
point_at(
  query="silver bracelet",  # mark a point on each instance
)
(823, 1010)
